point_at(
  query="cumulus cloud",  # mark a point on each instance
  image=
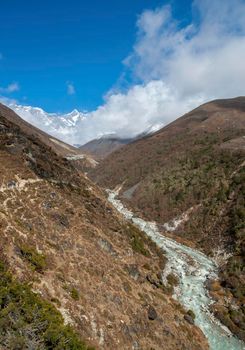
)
(10, 88)
(177, 67)
(70, 89)
(205, 58)
(129, 114)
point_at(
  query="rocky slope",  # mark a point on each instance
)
(189, 177)
(65, 251)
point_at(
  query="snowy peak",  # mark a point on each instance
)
(75, 127)
(62, 126)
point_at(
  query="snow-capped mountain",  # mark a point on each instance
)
(62, 126)
(75, 128)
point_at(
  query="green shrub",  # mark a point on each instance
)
(28, 321)
(74, 294)
(137, 239)
(35, 259)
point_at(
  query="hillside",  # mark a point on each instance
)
(102, 147)
(80, 160)
(190, 177)
(71, 268)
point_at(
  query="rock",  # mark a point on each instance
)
(106, 246)
(167, 331)
(133, 271)
(11, 184)
(47, 205)
(156, 283)
(61, 219)
(189, 319)
(152, 314)
(135, 345)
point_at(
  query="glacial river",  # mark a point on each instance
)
(193, 268)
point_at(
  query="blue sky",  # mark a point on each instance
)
(131, 64)
(61, 55)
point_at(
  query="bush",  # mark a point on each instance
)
(138, 239)
(35, 259)
(28, 321)
(74, 294)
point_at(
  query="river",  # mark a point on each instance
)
(193, 268)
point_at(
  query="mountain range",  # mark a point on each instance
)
(71, 127)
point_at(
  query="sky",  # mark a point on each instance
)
(129, 64)
(61, 55)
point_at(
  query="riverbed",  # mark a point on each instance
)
(193, 268)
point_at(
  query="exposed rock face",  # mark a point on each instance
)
(190, 178)
(59, 233)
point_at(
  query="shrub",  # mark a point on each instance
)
(35, 259)
(74, 294)
(28, 321)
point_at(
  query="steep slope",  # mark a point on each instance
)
(68, 250)
(189, 177)
(58, 146)
(80, 160)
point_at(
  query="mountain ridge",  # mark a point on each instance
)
(71, 128)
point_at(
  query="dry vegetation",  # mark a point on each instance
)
(194, 166)
(90, 274)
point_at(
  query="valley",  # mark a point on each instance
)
(169, 271)
(189, 178)
(74, 273)
(192, 270)
(122, 175)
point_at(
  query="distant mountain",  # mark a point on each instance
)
(62, 126)
(101, 147)
(71, 128)
(75, 156)
(71, 267)
(30, 128)
(190, 178)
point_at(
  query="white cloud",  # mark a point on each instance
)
(70, 89)
(205, 58)
(10, 88)
(177, 68)
(131, 113)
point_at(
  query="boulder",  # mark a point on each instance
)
(152, 314)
